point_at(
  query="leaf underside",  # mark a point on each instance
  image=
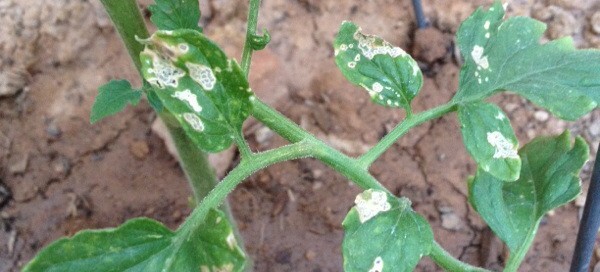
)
(507, 55)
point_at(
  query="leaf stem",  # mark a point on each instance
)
(442, 258)
(411, 121)
(349, 167)
(250, 33)
(246, 167)
(242, 145)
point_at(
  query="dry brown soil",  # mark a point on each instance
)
(59, 174)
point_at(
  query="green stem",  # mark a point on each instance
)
(516, 258)
(242, 145)
(449, 263)
(126, 16)
(411, 121)
(250, 33)
(246, 167)
(335, 159)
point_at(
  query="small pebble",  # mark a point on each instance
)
(18, 164)
(139, 149)
(594, 128)
(580, 201)
(450, 221)
(53, 130)
(541, 116)
(263, 135)
(310, 255)
(595, 22)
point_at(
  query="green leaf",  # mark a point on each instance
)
(112, 98)
(549, 178)
(207, 92)
(391, 76)
(490, 140)
(143, 244)
(506, 55)
(175, 14)
(382, 233)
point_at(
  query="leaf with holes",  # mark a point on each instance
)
(548, 179)
(506, 55)
(490, 140)
(382, 233)
(206, 92)
(175, 14)
(143, 244)
(112, 98)
(391, 76)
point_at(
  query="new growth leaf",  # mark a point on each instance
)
(112, 98)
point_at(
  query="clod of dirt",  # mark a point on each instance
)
(12, 81)
(430, 45)
(491, 250)
(139, 149)
(18, 164)
(310, 255)
(595, 22)
(78, 205)
(561, 23)
(5, 194)
(62, 165)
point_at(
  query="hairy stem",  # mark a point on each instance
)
(246, 167)
(250, 32)
(449, 263)
(128, 21)
(411, 121)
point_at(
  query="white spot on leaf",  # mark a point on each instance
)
(165, 73)
(351, 64)
(190, 98)
(194, 121)
(377, 87)
(370, 203)
(486, 25)
(504, 149)
(377, 265)
(202, 74)
(487, 35)
(231, 242)
(370, 46)
(479, 58)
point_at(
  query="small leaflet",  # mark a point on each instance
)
(490, 139)
(390, 76)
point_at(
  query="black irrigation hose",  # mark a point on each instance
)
(590, 222)
(421, 21)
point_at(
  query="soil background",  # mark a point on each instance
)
(59, 174)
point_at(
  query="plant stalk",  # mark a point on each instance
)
(411, 121)
(250, 32)
(449, 263)
(127, 19)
